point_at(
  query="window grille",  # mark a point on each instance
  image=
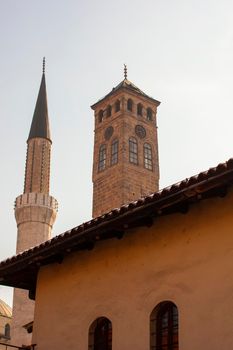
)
(133, 150)
(148, 156)
(164, 327)
(114, 152)
(102, 158)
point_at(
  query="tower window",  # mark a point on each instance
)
(102, 158)
(101, 116)
(164, 327)
(100, 334)
(109, 111)
(133, 150)
(7, 331)
(139, 109)
(148, 156)
(130, 105)
(117, 106)
(114, 152)
(149, 114)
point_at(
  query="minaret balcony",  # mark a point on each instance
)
(36, 199)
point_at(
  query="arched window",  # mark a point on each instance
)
(7, 331)
(164, 327)
(148, 164)
(133, 150)
(114, 152)
(102, 158)
(100, 334)
(117, 106)
(130, 105)
(109, 111)
(149, 114)
(101, 116)
(139, 109)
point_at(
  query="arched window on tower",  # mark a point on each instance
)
(114, 152)
(139, 109)
(149, 114)
(164, 327)
(129, 104)
(109, 111)
(101, 116)
(7, 331)
(133, 150)
(148, 163)
(100, 334)
(117, 106)
(102, 158)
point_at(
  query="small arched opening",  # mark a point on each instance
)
(100, 334)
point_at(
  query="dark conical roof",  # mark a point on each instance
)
(126, 84)
(40, 121)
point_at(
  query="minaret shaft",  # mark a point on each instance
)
(37, 172)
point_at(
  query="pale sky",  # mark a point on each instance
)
(178, 51)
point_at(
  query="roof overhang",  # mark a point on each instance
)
(21, 270)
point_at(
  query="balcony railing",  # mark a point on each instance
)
(4, 346)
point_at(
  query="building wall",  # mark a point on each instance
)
(184, 258)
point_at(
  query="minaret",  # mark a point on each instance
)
(35, 209)
(125, 165)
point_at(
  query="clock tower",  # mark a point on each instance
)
(125, 165)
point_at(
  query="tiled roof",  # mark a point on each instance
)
(21, 270)
(129, 86)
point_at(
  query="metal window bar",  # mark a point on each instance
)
(133, 151)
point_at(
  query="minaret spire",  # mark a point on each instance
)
(43, 70)
(40, 121)
(125, 71)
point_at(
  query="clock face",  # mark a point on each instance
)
(140, 131)
(108, 133)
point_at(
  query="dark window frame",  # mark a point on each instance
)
(164, 327)
(133, 150)
(102, 157)
(148, 156)
(100, 334)
(114, 151)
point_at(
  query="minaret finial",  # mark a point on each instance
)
(125, 71)
(43, 65)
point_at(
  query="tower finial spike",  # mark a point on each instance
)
(43, 65)
(125, 71)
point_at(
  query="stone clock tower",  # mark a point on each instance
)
(125, 165)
